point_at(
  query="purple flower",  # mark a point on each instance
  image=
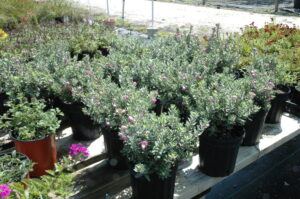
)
(126, 97)
(78, 149)
(151, 68)
(164, 77)
(154, 100)
(98, 103)
(234, 96)
(37, 67)
(123, 127)
(89, 73)
(4, 191)
(79, 88)
(213, 100)
(199, 43)
(253, 73)
(131, 119)
(122, 136)
(144, 144)
(253, 95)
(114, 106)
(178, 35)
(264, 89)
(271, 84)
(107, 123)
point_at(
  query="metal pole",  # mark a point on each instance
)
(123, 11)
(276, 5)
(152, 13)
(107, 7)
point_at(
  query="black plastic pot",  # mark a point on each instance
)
(295, 96)
(114, 146)
(218, 155)
(297, 4)
(3, 99)
(82, 126)
(278, 105)
(153, 189)
(254, 128)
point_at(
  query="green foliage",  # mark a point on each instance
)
(225, 102)
(154, 144)
(14, 167)
(57, 184)
(29, 120)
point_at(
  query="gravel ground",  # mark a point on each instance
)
(172, 15)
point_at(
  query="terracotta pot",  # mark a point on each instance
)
(42, 152)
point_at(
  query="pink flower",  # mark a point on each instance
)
(178, 35)
(89, 73)
(271, 84)
(114, 106)
(154, 100)
(98, 103)
(37, 67)
(253, 73)
(144, 144)
(107, 123)
(183, 88)
(78, 149)
(131, 119)
(79, 88)
(126, 97)
(123, 137)
(4, 191)
(253, 95)
(123, 127)
(234, 96)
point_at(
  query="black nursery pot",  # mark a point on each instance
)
(82, 126)
(218, 155)
(3, 99)
(295, 96)
(156, 188)
(114, 146)
(254, 128)
(278, 105)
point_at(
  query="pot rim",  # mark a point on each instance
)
(15, 139)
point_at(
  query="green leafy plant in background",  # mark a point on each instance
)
(14, 167)
(29, 120)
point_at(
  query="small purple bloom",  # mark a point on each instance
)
(234, 96)
(264, 89)
(183, 88)
(114, 106)
(98, 103)
(253, 95)
(126, 97)
(144, 144)
(4, 191)
(107, 123)
(253, 73)
(123, 127)
(89, 73)
(37, 67)
(154, 100)
(79, 88)
(131, 119)
(271, 84)
(122, 136)
(213, 100)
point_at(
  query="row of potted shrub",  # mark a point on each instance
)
(153, 100)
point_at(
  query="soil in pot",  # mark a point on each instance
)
(156, 188)
(254, 128)
(82, 126)
(218, 155)
(278, 104)
(42, 152)
(114, 146)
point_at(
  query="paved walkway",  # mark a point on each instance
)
(178, 15)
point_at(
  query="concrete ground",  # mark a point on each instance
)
(274, 176)
(173, 15)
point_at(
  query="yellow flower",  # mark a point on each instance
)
(3, 34)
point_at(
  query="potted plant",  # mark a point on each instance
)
(14, 167)
(261, 87)
(33, 130)
(225, 102)
(110, 107)
(153, 146)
